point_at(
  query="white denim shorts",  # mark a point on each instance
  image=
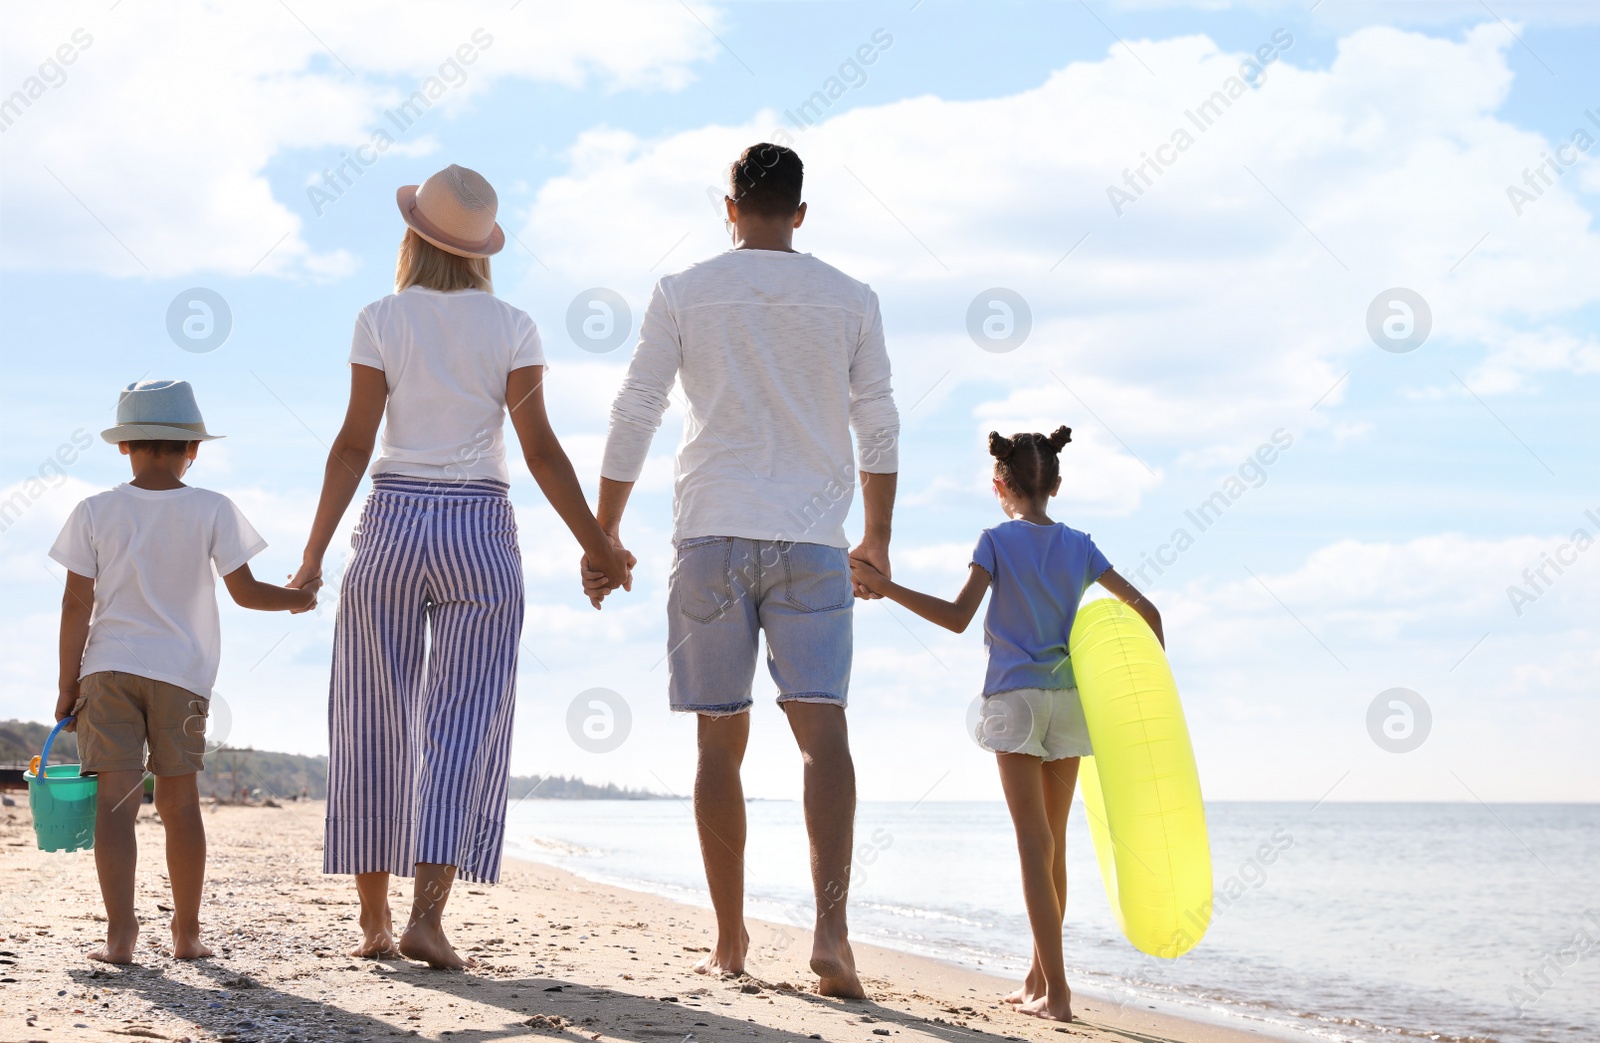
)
(1040, 722)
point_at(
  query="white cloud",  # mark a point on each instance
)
(1276, 714)
(1230, 296)
(149, 154)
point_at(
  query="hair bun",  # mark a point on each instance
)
(1060, 437)
(1001, 447)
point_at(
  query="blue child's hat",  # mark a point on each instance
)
(163, 410)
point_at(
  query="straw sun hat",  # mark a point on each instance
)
(455, 211)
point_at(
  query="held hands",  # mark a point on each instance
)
(614, 573)
(869, 571)
(310, 587)
(309, 579)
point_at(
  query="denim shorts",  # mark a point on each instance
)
(726, 591)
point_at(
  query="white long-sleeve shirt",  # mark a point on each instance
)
(779, 356)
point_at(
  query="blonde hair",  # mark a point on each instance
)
(422, 264)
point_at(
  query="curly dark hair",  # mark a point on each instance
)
(1029, 462)
(766, 180)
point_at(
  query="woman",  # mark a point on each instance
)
(430, 610)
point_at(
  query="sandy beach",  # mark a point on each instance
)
(558, 956)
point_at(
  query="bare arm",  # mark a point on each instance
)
(1125, 592)
(77, 604)
(952, 615)
(559, 483)
(347, 462)
(249, 592)
(613, 501)
(877, 502)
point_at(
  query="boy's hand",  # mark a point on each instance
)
(864, 574)
(65, 703)
(309, 588)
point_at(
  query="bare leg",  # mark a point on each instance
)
(424, 937)
(377, 923)
(1060, 779)
(1022, 778)
(118, 795)
(178, 800)
(719, 818)
(830, 803)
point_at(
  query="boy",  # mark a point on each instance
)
(140, 644)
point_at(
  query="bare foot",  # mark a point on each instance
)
(190, 949)
(835, 967)
(726, 960)
(377, 940)
(428, 944)
(1032, 988)
(379, 946)
(117, 949)
(1050, 1006)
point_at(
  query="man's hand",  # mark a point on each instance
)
(865, 576)
(597, 583)
(877, 557)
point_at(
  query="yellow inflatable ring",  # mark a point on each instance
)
(1141, 789)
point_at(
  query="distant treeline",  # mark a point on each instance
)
(560, 787)
(22, 741)
(238, 772)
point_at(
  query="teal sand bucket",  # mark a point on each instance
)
(63, 801)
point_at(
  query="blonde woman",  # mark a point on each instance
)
(430, 609)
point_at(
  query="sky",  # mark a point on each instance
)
(1313, 284)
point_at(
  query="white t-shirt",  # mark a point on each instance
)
(780, 356)
(446, 357)
(151, 553)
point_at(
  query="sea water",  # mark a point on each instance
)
(1452, 922)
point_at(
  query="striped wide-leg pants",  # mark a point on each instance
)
(424, 681)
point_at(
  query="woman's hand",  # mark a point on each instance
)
(310, 571)
(617, 572)
(309, 589)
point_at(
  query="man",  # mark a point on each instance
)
(780, 356)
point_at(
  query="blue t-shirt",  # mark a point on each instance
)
(1038, 574)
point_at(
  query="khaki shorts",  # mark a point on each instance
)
(120, 714)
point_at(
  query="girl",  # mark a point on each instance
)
(1031, 717)
(430, 610)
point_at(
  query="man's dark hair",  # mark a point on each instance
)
(765, 180)
(158, 446)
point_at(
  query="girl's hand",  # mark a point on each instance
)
(864, 574)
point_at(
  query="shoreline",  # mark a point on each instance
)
(1000, 982)
(559, 955)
